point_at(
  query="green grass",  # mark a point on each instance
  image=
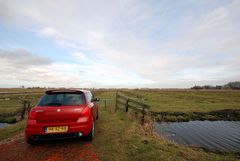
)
(8, 120)
(187, 100)
(170, 101)
(9, 103)
(119, 137)
(12, 129)
(159, 100)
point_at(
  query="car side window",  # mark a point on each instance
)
(89, 95)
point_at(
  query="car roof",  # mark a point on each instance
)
(71, 90)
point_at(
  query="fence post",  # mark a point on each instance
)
(23, 109)
(143, 114)
(116, 101)
(28, 106)
(126, 105)
(105, 102)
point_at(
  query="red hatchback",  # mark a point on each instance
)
(62, 114)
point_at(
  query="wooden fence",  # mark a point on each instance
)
(23, 101)
(19, 113)
(127, 103)
(26, 107)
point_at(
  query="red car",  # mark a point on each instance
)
(62, 114)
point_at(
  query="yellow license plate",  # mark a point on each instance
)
(56, 129)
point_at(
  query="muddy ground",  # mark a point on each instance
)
(16, 149)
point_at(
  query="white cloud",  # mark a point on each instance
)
(79, 55)
(49, 32)
(22, 58)
(158, 41)
(32, 70)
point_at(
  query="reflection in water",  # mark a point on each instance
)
(218, 135)
(2, 125)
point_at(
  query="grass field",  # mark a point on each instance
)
(171, 101)
(120, 137)
(125, 139)
(10, 103)
(159, 100)
(12, 129)
(187, 100)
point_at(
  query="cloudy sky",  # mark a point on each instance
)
(119, 43)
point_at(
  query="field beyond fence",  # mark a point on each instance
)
(15, 106)
(111, 141)
(162, 105)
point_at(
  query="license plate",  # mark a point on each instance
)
(56, 129)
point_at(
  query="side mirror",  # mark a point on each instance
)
(95, 99)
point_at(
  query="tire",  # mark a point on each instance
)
(97, 115)
(31, 142)
(90, 136)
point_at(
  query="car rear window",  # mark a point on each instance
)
(62, 99)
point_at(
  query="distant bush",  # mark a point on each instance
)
(206, 87)
(196, 87)
(230, 85)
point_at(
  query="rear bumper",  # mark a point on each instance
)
(55, 136)
(37, 131)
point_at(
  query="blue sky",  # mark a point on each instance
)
(130, 43)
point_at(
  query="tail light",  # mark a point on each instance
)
(82, 119)
(85, 114)
(32, 114)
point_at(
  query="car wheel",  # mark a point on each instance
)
(97, 115)
(90, 136)
(31, 141)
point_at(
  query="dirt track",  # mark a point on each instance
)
(16, 149)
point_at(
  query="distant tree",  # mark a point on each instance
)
(218, 87)
(196, 87)
(207, 87)
(232, 85)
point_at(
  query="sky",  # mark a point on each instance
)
(119, 43)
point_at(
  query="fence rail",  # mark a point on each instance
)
(20, 112)
(13, 107)
(127, 103)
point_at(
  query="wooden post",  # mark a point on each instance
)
(28, 106)
(126, 105)
(23, 109)
(105, 102)
(143, 115)
(116, 101)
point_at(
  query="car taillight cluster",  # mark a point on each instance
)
(82, 119)
(32, 114)
(85, 114)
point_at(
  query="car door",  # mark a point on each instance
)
(95, 108)
(92, 104)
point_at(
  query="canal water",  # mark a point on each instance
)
(2, 125)
(213, 135)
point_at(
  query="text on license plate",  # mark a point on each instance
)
(56, 129)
